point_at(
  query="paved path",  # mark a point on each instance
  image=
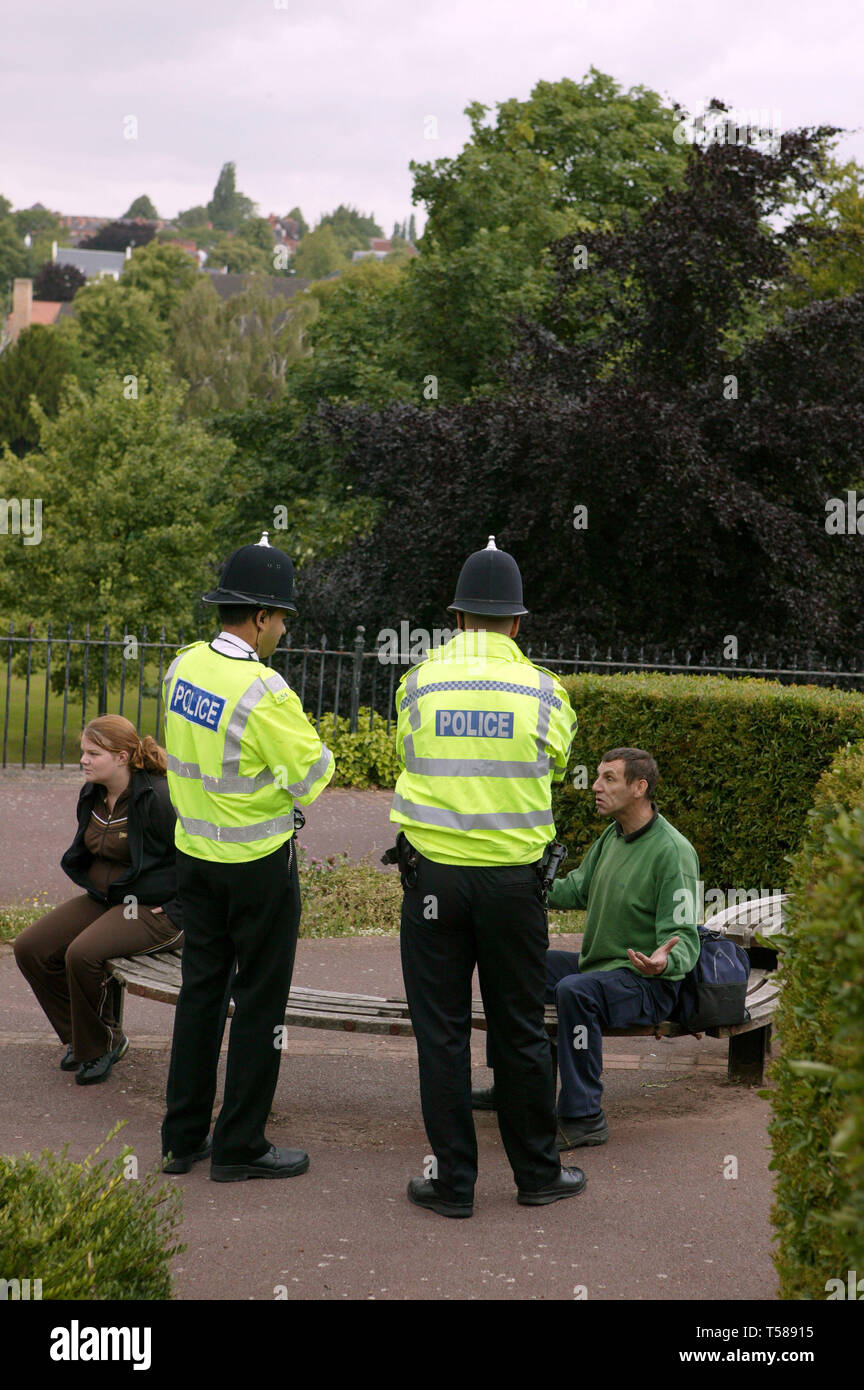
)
(37, 824)
(657, 1221)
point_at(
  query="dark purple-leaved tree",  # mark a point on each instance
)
(116, 236)
(662, 457)
(57, 282)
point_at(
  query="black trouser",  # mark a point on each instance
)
(453, 918)
(248, 912)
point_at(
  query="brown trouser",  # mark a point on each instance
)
(62, 957)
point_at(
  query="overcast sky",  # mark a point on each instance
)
(325, 102)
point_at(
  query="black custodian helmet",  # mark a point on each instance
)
(490, 585)
(258, 575)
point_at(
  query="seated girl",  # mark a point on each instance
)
(123, 858)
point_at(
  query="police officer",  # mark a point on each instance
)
(240, 752)
(482, 733)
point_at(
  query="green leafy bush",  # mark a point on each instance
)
(817, 1129)
(86, 1229)
(367, 758)
(739, 761)
(342, 899)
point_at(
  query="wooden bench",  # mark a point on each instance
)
(158, 977)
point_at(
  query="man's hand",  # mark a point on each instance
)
(654, 964)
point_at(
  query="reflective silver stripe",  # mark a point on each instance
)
(237, 834)
(453, 820)
(171, 669)
(229, 785)
(547, 693)
(470, 767)
(237, 724)
(166, 680)
(316, 770)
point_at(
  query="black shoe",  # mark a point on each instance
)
(484, 1099)
(182, 1165)
(584, 1132)
(89, 1073)
(276, 1163)
(423, 1194)
(569, 1183)
(69, 1062)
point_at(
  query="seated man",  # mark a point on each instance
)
(640, 884)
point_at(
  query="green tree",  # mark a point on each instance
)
(192, 218)
(319, 254)
(131, 494)
(164, 272)
(279, 462)
(298, 217)
(360, 347)
(116, 329)
(258, 231)
(352, 229)
(236, 350)
(833, 264)
(587, 146)
(228, 208)
(572, 157)
(39, 222)
(34, 367)
(240, 255)
(14, 261)
(142, 207)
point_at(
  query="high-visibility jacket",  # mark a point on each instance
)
(482, 734)
(240, 752)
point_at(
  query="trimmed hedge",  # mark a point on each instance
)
(87, 1230)
(817, 1129)
(739, 761)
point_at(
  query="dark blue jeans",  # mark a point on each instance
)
(588, 1003)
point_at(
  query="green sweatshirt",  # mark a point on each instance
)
(639, 890)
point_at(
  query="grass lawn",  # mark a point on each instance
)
(13, 703)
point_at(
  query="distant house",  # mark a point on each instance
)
(94, 264)
(226, 284)
(27, 311)
(286, 231)
(379, 247)
(80, 227)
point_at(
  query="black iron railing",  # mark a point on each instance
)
(54, 683)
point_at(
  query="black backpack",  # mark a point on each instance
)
(713, 994)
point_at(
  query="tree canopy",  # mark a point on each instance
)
(142, 207)
(131, 496)
(228, 207)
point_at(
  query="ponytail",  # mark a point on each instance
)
(149, 757)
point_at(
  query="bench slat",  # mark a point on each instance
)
(159, 977)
